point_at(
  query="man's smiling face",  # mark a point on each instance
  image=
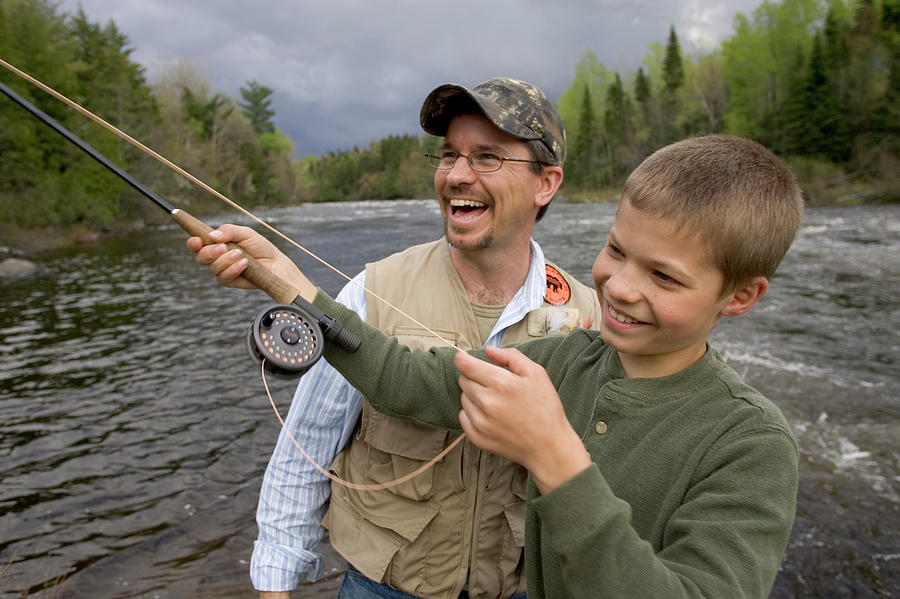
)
(486, 210)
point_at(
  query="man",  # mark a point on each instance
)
(458, 527)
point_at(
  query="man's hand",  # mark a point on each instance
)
(228, 265)
(517, 414)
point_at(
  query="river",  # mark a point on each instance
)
(135, 430)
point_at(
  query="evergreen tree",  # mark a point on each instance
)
(792, 133)
(256, 106)
(263, 155)
(828, 135)
(836, 48)
(673, 69)
(673, 77)
(586, 158)
(759, 60)
(617, 121)
(862, 70)
(642, 90)
(645, 120)
(617, 112)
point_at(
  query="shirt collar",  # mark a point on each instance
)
(530, 296)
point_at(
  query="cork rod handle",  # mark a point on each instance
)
(277, 288)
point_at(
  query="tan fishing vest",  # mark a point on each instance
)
(464, 519)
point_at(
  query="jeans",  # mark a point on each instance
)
(357, 586)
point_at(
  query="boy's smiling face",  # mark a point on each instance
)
(660, 293)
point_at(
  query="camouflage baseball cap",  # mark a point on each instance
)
(516, 107)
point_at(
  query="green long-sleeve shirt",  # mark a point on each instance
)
(694, 478)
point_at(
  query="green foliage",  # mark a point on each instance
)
(759, 61)
(815, 79)
(257, 106)
(37, 40)
(673, 69)
(642, 91)
(45, 180)
(590, 73)
(391, 168)
(207, 114)
(619, 128)
(826, 131)
(705, 96)
(585, 161)
(277, 142)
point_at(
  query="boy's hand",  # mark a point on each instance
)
(517, 414)
(227, 265)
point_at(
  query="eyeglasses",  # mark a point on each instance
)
(480, 162)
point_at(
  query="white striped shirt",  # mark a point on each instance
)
(324, 412)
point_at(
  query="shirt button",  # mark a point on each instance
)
(601, 427)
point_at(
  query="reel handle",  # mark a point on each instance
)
(333, 330)
(276, 287)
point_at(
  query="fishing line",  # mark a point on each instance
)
(340, 481)
(165, 205)
(285, 338)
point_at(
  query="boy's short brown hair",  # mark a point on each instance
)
(737, 196)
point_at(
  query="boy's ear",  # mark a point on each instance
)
(746, 296)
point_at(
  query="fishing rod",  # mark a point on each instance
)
(289, 337)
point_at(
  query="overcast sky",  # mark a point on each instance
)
(346, 72)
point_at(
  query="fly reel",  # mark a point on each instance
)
(288, 338)
(291, 338)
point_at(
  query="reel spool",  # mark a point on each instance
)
(288, 338)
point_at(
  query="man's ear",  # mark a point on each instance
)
(746, 296)
(551, 179)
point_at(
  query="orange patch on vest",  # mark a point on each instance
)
(558, 292)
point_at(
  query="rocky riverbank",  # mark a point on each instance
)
(16, 263)
(21, 249)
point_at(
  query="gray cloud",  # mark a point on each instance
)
(345, 72)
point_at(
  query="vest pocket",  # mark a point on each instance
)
(397, 448)
(515, 519)
(515, 509)
(373, 534)
(512, 550)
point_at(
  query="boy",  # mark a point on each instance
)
(655, 472)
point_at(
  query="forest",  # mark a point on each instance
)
(817, 81)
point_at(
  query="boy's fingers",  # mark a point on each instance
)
(466, 423)
(471, 417)
(471, 390)
(511, 358)
(472, 368)
(505, 360)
